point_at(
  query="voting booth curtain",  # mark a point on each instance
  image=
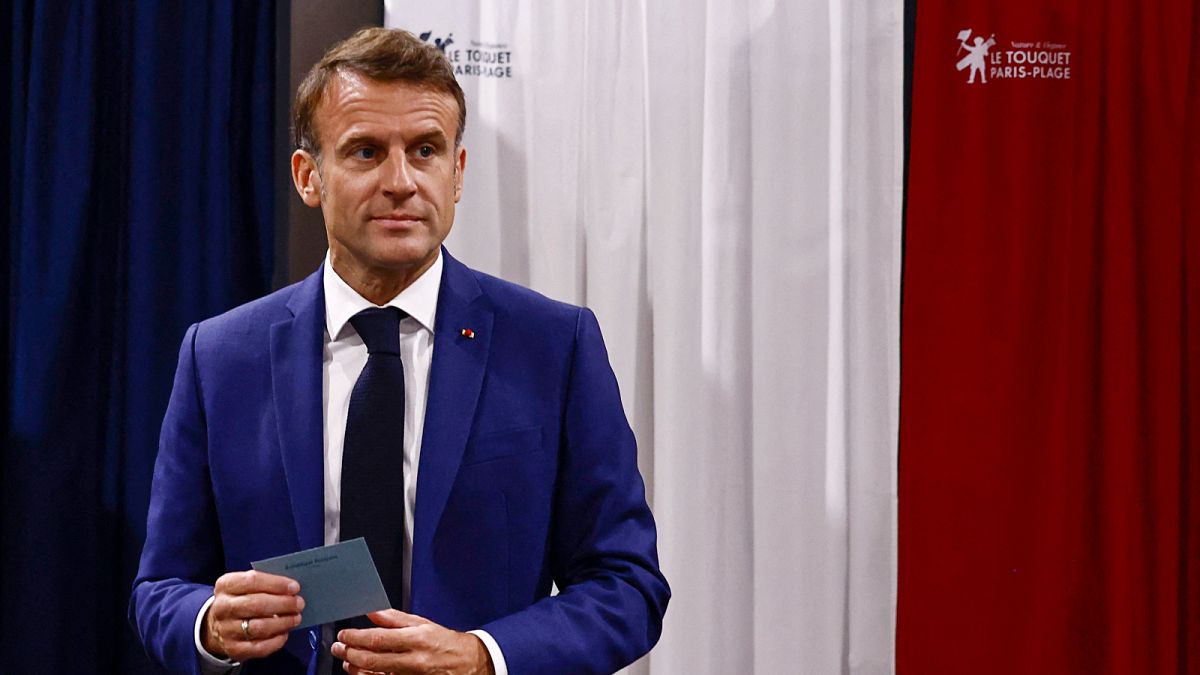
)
(720, 181)
(139, 192)
(1050, 460)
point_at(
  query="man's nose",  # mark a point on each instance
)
(397, 176)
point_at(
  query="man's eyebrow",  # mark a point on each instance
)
(434, 135)
(356, 138)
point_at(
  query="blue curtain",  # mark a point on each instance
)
(137, 176)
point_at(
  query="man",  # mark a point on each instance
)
(483, 455)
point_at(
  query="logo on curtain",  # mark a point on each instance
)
(1021, 60)
(477, 59)
(976, 57)
(440, 43)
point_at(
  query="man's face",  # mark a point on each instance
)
(389, 174)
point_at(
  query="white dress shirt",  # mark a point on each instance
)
(343, 358)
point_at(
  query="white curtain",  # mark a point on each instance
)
(720, 181)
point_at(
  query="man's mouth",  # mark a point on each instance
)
(397, 219)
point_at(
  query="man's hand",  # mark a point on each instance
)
(407, 644)
(269, 605)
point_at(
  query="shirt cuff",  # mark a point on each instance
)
(209, 664)
(493, 648)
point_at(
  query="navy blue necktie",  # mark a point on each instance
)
(373, 453)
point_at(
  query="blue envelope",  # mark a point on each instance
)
(337, 582)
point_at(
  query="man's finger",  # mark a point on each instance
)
(355, 670)
(253, 581)
(378, 639)
(240, 650)
(394, 618)
(367, 660)
(363, 661)
(257, 604)
(261, 628)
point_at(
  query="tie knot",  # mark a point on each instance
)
(379, 328)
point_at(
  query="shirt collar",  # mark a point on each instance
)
(419, 300)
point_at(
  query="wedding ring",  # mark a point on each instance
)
(246, 628)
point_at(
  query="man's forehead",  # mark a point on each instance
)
(349, 87)
(350, 92)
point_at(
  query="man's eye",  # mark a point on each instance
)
(425, 151)
(364, 153)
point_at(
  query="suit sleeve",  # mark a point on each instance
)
(182, 555)
(603, 544)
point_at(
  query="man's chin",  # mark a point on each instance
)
(391, 261)
(407, 261)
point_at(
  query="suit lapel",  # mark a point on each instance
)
(455, 381)
(296, 381)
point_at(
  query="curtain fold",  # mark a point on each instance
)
(721, 183)
(1189, 579)
(140, 199)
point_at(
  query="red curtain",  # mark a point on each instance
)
(1050, 392)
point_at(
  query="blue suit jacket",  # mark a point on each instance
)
(528, 475)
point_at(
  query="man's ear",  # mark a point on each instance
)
(306, 176)
(460, 167)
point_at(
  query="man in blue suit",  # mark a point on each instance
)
(511, 466)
